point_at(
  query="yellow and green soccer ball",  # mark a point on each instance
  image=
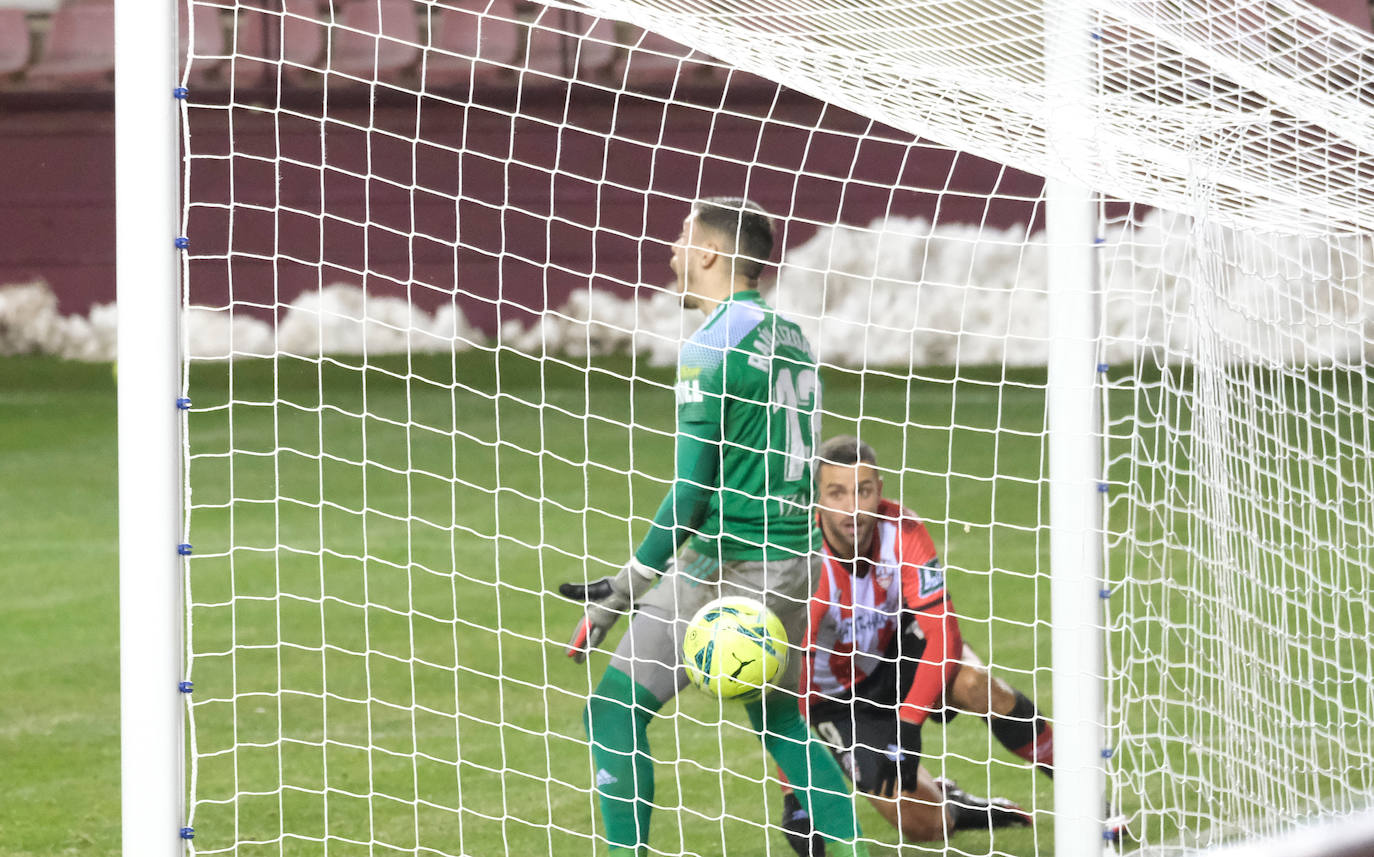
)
(734, 647)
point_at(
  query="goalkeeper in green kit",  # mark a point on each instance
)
(748, 413)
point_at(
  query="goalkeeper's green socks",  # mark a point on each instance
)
(617, 720)
(811, 770)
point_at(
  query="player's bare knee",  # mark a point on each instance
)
(1001, 695)
(973, 690)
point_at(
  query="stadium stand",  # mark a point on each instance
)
(551, 52)
(80, 48)
(14, 43)
(269, 40)
(45, 46)
(208, 47)
(377, 39)
(652, 58)
(493, 42)
(1354, 12)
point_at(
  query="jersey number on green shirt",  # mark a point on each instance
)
(794, 394)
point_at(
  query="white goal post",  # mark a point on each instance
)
(151, 523)
(397, 332)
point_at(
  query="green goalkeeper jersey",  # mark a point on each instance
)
(748, 416)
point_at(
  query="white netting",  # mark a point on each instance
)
(1257, 112)
(1238, 544)
(433, 240)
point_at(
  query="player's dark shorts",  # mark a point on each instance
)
(876, 749)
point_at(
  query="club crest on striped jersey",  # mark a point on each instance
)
(932, 578)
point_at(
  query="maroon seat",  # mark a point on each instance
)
(80, 47)
(1353, 12)
(376, 39)
(280, 36)
(207, 50)
(477, 41)
(654, 59)
(14, 42)
(565, 43)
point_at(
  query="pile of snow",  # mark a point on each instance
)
(338, 319)
(30, 324)
(901, 293)
(896, 293)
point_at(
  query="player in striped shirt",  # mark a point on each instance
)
(885, 655)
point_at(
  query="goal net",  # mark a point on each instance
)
(430, 332)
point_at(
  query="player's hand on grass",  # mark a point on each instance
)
(607, 600)
(908, 744)
(909, 734)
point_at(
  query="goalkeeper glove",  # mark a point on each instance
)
(607, 600)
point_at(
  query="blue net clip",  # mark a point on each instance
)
(183, 404)
(1102, 487)
(188, 833)
(180, 92)
(182, 242)
(185, 686)
(184, 549)
(1106, 752)
(1103, 367)
(1104, 593)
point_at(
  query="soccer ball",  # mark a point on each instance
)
(734, 647)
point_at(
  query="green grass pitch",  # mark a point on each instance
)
(428, 680)
(59, 629)
(403, 642)
(379, 662)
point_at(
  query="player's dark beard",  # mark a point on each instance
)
(857, 559)
(834, 544)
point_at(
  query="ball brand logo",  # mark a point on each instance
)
(742, 664)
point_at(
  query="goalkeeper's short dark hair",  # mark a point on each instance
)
(744, 221)
(845, 450)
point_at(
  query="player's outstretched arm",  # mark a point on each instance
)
(607, 599)
(939, 661)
